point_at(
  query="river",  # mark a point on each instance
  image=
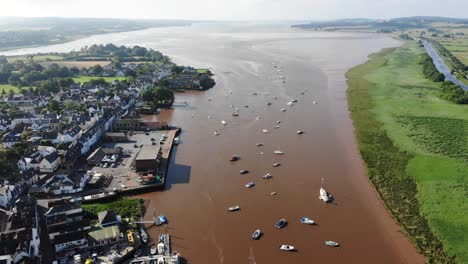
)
(202, 182)
(441, 66)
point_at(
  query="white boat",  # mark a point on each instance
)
(265, 131)
(235, 114)
(276, 127)
(290, 103)
(216, 133)
(278, 122)
(294, 101)
(267, 176)
(332, 243)
(160, 261)
(307, 221)
(259, 144)
(315, 102)
(287, 247)
(161, 248)
(258, 118)
(256, 234)
(143, 235)
(234, 208)
(176, 140)
(175, 258)
(324, 196)
(300, 132)
(279, 152)
(273, 193)
(153, 251)
(276, 164)
(283, 110)
(223, 122)
(249, 184)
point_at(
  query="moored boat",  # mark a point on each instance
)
(234, 208)
(259, 144)
(223, 122)
(331, 243)
(243, 171)
(278, 152)
(276, 164)
(235, 114)
(249, 184)
(235, 158)
(163, 219)
(256, 234)
(143, 235)
(267, 176)
(324, 196)
(299, 132)
(281, 223)
(283, 110)
(287, 247)
(216, 133)
(308, 221)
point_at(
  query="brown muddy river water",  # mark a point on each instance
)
(279, 64)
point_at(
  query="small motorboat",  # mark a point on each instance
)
(234, 208)
(259, 144)
(324, 196)
(223, 122)
(331, 243)
(256, 234)
(234, 158)
(269, 103)
(300, 132)
(315, 102)
(278, 122)
(243, 171)
(161, 248)
(175, 258)
(273, 193)
(290, 103)
(281, 223)
(235, 114)
(294, 101)
(279, 152)
(283, 110)
(216, 133)
(258, 118)
(267, 176)
(255, 94)
(249, 184)
(160, 261)
(153, 251)
(307, 221)
(276, 164)
(163, 219)
(264, 131)
(276, 127)
(143, 236)
(287, 247)
(261, 153)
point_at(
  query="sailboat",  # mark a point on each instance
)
(324, 195)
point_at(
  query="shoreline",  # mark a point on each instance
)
(384, 162)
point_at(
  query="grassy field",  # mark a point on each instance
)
(131, 208)
(37, 58)
(8, 87)
(414, 145)
(78, 64)
(83, 79)
(458, 47)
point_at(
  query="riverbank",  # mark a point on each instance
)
(414, 146)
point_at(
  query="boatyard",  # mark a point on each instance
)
(142, 165)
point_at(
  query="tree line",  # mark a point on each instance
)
(429, 69)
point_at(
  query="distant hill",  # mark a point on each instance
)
(384, 25)
(17, 32)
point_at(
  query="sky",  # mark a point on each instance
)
(234, 9)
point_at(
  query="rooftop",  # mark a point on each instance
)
(149, 152)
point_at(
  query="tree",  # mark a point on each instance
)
(163, 94)
(139, 51)
(97, 70)
(147, 95)
(53, 106)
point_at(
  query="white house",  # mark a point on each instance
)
(49, 163)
